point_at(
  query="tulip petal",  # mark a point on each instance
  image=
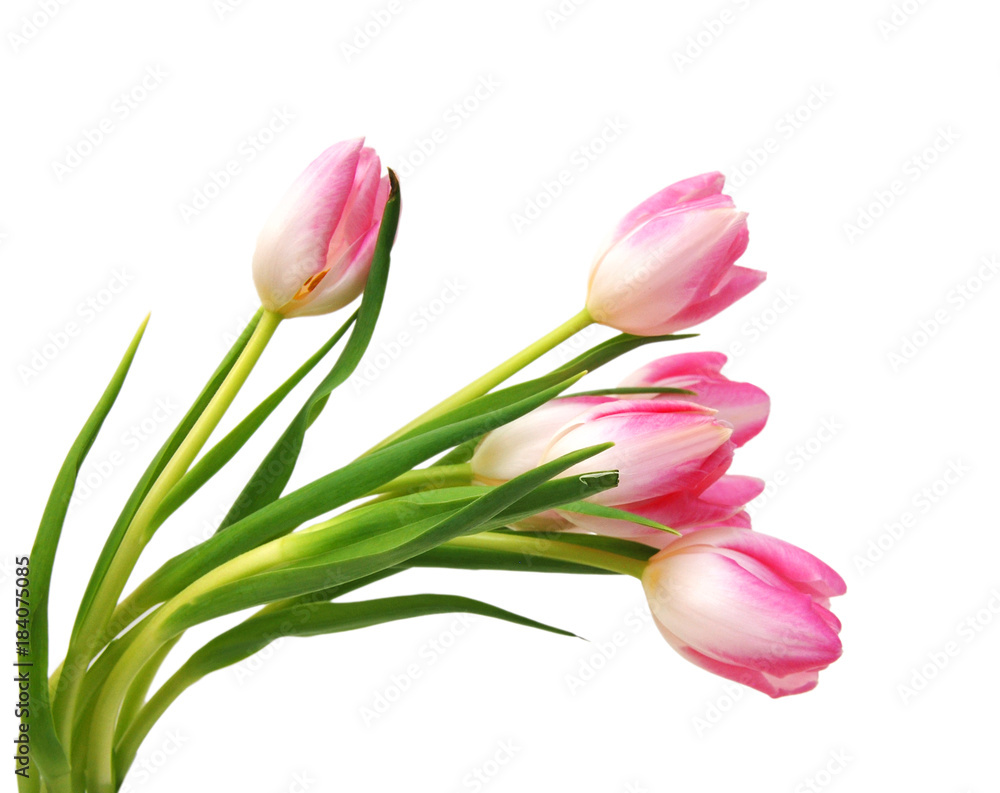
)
(737, 283)
(799, 568)
(686, 190)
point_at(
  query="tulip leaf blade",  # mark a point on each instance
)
(602, 511)
(45, 745)
(275, 470)
(318, 619)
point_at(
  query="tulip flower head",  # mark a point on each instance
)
(742, 405)
(747, 607)
(661, 446)
(314, 253)
(669, 264)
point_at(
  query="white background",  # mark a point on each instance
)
(824, 116)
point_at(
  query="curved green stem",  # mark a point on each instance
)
(497, 375)
(552, 549)
(95, 625)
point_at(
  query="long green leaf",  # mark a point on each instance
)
(375, 553)
(602, 511)
(270, 478)
(156, 467)
(46, 750)
(252, 635)
(318, 497)
(220, 454)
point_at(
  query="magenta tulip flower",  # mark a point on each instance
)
(314, 253)
(747, 607)
(669, 264)
(742, 405)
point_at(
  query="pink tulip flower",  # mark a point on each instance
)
(742, 405)
(747, 607)
(669, 264)
(314, 253)
(661, 446)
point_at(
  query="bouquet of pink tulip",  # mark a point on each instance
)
(627, 480)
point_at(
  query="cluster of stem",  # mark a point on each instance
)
(100, 706)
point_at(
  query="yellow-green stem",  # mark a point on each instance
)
(553, 549)
(497, 375)
(93, 634)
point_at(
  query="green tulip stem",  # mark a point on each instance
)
(499, 374)
(552, 549)
(97, 621)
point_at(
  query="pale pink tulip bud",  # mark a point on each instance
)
(747, 607)
(661, 446)
(742, 405)
(669, 264)
(314, 253)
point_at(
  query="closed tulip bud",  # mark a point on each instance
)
(747, 607)
(742, 405)
(314, 253)
(669, 264)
